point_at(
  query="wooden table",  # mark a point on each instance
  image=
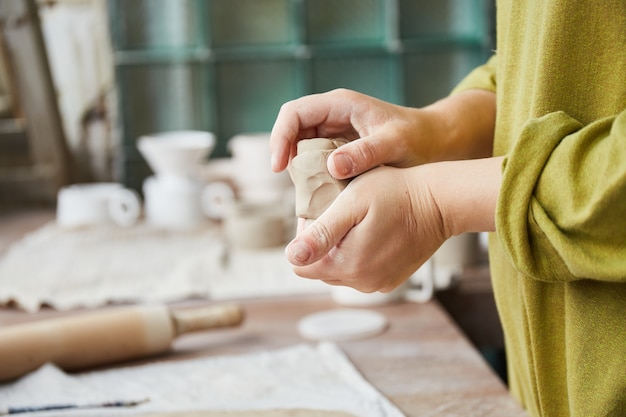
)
(422, 362)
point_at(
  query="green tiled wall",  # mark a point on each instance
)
(227, 65)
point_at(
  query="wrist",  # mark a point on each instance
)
(465, 125)
(466, 193)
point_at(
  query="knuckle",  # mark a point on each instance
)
(367, 152)
(344, 93)
(321, 235)
(288, 106)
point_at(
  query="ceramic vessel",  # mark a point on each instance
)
(92, 204)
(173, 203)
(252, 172)
(176, 153)
(255, 225)
(173, 195)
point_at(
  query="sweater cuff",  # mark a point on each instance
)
(516, 207)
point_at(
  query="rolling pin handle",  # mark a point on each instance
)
(205, 318)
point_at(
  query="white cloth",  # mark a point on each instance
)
(94, 266)
(317, 377)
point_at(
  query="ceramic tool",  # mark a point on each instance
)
(342, 324)
(104, 337)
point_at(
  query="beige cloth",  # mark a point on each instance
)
(301, 377)
(94, 266)
(257, 413)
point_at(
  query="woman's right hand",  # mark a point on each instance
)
(389, 221)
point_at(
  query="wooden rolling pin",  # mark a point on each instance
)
(103, 337)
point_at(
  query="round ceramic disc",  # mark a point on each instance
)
(342, 324)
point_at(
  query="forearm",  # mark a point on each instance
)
(464, 125)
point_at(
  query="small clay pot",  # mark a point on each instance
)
(254, 225)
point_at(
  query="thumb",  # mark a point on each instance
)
(318, 238)
(358, 156)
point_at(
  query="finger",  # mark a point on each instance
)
(296, 119)
(300, 225)
(317, 115)
(356, 157)
(315, 241)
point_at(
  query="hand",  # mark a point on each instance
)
(385, 131)
(379, 230)
(389, 221)
(457, 127)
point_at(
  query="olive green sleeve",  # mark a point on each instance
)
(561, 213)
(482, 77)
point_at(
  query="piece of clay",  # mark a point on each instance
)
(315, 188)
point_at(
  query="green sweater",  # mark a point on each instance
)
(558, 258)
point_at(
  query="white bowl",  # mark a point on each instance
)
(178, 153)
(253, 173)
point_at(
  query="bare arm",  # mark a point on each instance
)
(388, 221)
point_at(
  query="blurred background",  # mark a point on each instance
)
(82, 80)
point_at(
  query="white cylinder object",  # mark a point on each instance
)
(173, 203)
(252, 170)
(92, 204)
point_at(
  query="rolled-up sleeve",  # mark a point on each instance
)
(561, 213)
(482, 77)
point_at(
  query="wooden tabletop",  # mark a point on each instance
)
(422, 362)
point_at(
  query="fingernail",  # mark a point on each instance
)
(299, 252)
(273, 162)
(343, 164)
